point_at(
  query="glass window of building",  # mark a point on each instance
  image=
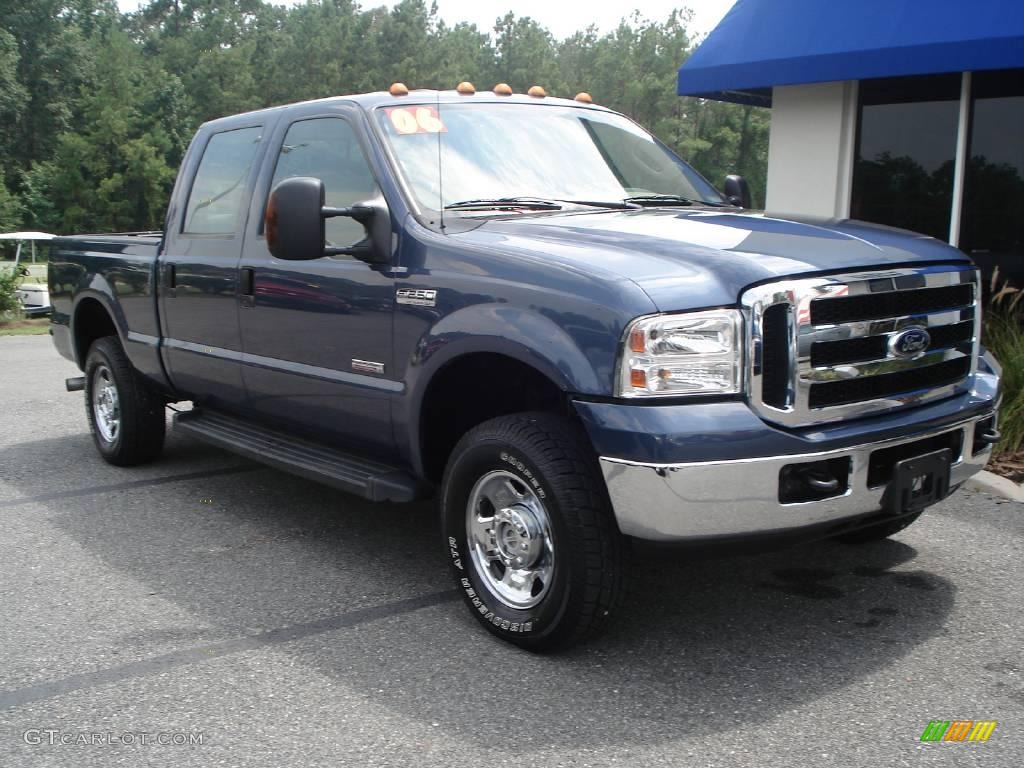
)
(992, 227)
(906, 152)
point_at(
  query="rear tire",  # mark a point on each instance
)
(126, 416)
(535, 550)
(878, 531)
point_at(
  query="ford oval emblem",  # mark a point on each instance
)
(910, 342)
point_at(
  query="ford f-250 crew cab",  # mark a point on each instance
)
(534, 307)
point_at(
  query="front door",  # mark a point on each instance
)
(316, 334)
(199, 272)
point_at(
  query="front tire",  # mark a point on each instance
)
(535, 550)
(125, 415)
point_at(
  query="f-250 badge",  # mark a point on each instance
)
(420, 297)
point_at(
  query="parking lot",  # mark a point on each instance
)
(289, 624)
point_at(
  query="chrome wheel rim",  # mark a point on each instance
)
(509, 533)
(106, 407)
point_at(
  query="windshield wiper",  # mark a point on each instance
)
(538, 204)
(659, 200)
(485, 203)
(618, 205)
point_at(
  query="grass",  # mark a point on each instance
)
(35, 327)
(1004, 337)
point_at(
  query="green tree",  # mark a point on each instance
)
(53, 63)
(316, 51)
(13, 98)
(10, 208)
(524, 53)
(112, 172)
(97, 107)
(460, 53)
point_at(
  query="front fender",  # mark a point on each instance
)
(521, 334)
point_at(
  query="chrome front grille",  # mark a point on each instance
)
(839, 347)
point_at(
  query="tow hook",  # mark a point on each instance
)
(819, 480)
(991, 436)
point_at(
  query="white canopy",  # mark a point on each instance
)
(26, 236)
(22, 236)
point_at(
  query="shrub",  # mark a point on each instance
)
(10, 307)
(1003, 335)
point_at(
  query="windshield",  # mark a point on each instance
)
(543, 152)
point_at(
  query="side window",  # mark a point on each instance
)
(327, 148)
(219, 185)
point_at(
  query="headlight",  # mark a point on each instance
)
(696, 353)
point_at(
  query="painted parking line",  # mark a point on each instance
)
(91, 491)
(168, 661)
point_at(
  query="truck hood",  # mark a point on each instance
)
(687, 258)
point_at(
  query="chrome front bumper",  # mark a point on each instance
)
(672, 502)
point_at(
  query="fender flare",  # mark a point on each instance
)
(104, 297)
(523, 335)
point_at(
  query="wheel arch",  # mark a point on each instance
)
(516, 358)
(92, 319)
(448, 411)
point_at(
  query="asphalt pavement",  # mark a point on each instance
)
(282, 623)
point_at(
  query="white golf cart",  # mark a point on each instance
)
(33, 295)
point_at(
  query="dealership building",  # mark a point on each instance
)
(904, 112)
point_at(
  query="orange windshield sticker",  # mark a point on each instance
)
(410, 120)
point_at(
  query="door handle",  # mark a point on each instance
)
(247, 287)
(172, 280)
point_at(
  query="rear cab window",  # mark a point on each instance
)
(218, 189)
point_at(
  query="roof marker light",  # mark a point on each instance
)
(398, 89)
(537, 92)
(584, 97)
(503, 89)
(465, 88)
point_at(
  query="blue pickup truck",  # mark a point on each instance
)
(531, 308)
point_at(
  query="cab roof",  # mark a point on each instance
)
(369, 101)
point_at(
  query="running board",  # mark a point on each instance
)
(354, 474)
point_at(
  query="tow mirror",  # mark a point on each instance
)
(737, 191)
(294, 223)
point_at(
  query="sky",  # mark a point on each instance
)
(561, 17)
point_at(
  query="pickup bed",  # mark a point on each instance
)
(531, 309)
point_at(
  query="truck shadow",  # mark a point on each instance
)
(703, 645)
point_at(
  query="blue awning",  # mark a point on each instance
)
(763, 43)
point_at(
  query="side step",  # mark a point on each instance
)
(362, 477)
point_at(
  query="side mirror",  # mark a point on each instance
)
(294, 223)
(737, 191)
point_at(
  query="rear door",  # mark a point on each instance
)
(199, 267)
(317, 334)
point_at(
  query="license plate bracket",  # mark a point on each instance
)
(918, 482)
